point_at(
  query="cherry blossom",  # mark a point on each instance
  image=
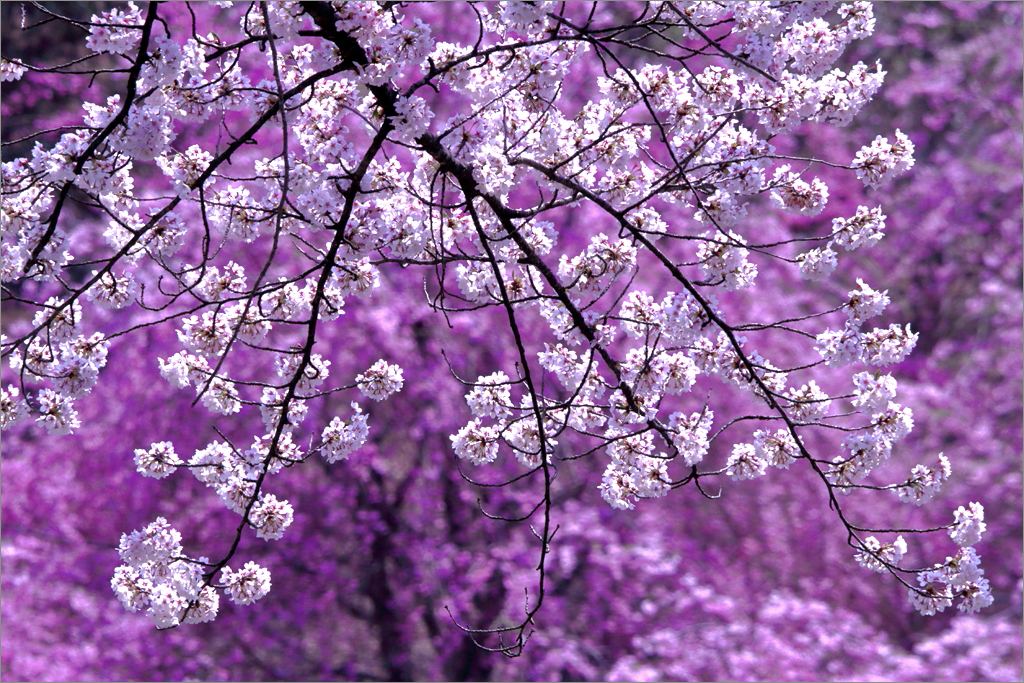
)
(616, 235)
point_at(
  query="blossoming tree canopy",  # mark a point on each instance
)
(247, 188)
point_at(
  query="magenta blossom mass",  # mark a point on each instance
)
(511, 340)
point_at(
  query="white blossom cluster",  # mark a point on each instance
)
(960, 578)
(381, 380)
(157, 579)
(10, 71)
(62, 365)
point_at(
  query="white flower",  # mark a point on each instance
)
(602, 261)
(808, 402)
(639, 313)
(974, 596)
(840, 347)
(145, 134)
(888, 345)
(931, 598)
(490, 396)
(314, 372)
(116, 31)
(813, 45)
(564, 363)
(925, 482)
(285, 451)
(412, 117)
(960, 576)
(883, 160)
(205, 608)
(745, 463)
(166, 606)
(112, 290)
(872, 391)
(858, 19)
(721, 208)
(677, 373)
(965, 579)
(778, 448)
(618, 487)
(229, 280)
(10, 71)
(271, 517)
(681, 317)
(962, 568)
(875, 555)
(12, 408)
(818, 263)
(524, 438)
(865, 228)
(476, 443)
(271, 403)
(208, 333)
(356, 277)
(690, 434)
(166, 238)
(214, 464)
(157, 542)
(247, 585)
(131, 588)
(629, 447)
(183, 369)
(968, 524)
(236, 490)
(893, 423)
(381, 380)
(221, 397)
(793, 193)
(57, 413)
(723, 259)
(864, 303)
(185, 168)
(341, 439)
(651, 476)
(73, 375)
(158, 461)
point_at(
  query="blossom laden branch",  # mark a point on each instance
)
(343, 181)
